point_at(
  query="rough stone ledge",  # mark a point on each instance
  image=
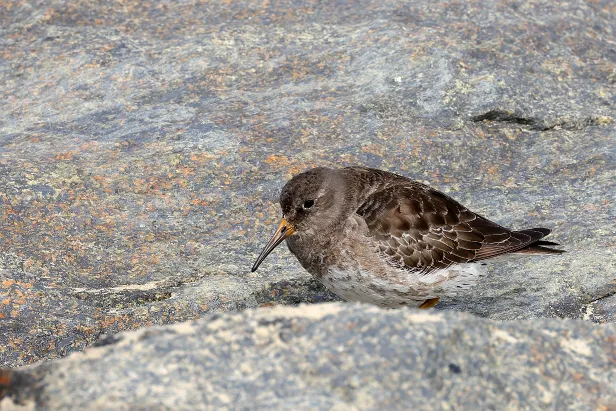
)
(333, 355)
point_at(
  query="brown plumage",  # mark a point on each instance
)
(379, 237)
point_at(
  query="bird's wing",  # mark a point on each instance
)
(424, 229)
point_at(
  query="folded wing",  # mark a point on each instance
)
(423, 229)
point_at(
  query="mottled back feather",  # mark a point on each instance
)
(423, 229)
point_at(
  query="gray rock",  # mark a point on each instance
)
(142, 148)
(340, 356)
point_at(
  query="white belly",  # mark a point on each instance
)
(406, 288)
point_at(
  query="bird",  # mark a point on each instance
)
(381, 238)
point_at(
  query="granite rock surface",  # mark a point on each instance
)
(142, 147)
(334, 356)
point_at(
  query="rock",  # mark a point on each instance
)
(342, 356)
(143, 148)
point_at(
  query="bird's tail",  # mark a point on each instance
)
(539, 247)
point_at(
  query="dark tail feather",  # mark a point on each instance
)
(538, 249)
(538, 246)
(542, 230)
(527, 241)
(544, 242)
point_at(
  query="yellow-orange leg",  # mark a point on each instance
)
(5, 378)
(429, 303)
(5, 382)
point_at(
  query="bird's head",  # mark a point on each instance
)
(312, 203)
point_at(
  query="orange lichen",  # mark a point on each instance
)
(277, 160)
(8, 283)
(65, 156)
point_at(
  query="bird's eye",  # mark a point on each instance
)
(308, 204)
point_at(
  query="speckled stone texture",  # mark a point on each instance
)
(336, 356)
(143, 145)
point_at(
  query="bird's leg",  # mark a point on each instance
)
(5, 382)
(429, 303)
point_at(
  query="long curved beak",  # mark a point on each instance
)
(284, 230)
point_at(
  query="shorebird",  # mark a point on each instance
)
(378, 237)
